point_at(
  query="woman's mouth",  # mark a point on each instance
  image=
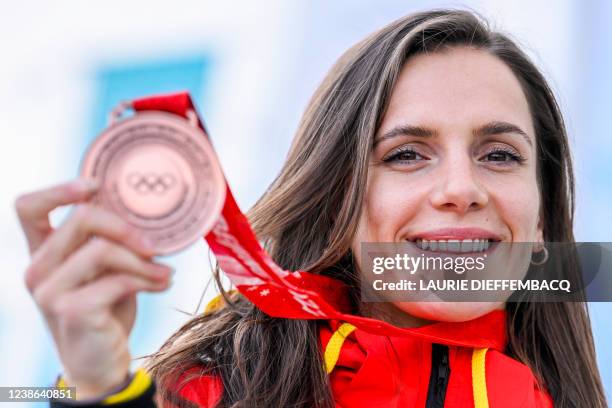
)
(456, 240)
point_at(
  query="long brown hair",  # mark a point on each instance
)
(308, 216)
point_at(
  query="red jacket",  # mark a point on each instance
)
(467, 368)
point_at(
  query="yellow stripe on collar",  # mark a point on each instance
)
(139, 384)
(479, 380)
(217, 302)
(332, 350)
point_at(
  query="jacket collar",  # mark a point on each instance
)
(487, 331)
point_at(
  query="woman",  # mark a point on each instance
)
(433, 127)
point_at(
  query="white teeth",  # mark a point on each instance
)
(454, 245)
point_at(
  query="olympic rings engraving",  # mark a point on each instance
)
(151, 183)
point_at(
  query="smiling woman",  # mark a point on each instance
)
(434, 130)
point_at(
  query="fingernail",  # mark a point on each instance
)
(147, 244)
(167, 282)
(88, 185)
(163, 272)
(162, 276)
(163, 284)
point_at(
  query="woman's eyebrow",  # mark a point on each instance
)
(497, 128)
(488, 129)
(405, 130)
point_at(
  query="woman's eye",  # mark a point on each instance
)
(404, 155)
(500, 155)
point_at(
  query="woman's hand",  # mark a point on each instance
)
(84, 277)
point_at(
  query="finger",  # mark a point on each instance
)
(33, 208)
(110, 289)
(86, 222)
(97, 257)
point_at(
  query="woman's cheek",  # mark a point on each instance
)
(391, 204)
(519, 208)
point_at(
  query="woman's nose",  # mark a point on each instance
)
(457, 187)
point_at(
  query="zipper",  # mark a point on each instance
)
(438, 377)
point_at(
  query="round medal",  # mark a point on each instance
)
(158, 171)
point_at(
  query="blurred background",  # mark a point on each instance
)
(251, 67)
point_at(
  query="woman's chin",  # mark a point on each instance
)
(448, 311)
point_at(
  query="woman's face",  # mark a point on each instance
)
(454, 159)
